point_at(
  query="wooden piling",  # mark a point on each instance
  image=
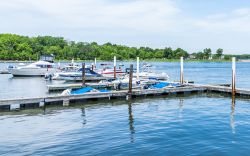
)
(137, 68)
(95, 63)
(181, 71)
(130, 81)
(114, 67)
(92, 66)
(233, 76)
(83, 74)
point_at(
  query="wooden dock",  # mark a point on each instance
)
(23, 103)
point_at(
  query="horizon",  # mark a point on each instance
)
(192, 26)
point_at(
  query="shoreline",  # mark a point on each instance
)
(153, 60)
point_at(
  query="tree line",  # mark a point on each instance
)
(17, 47)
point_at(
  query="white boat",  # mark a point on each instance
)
(148, 73)
(39, 68)
(109, 72)
(77, 75)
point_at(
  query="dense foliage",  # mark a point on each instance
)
(16, 47)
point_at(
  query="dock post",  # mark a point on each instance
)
(114, 67)
(181, 71)
(83, 74)
(92, 66)
(137, 69)
(95, 63)
(130, 82)
(233, 76)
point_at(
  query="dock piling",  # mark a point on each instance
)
(95, 63)
(130, 81)
(83, 74)
(137, 68)
(233, 76)
(114, 67)
(181, 71)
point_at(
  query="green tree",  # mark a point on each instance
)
(219, 53)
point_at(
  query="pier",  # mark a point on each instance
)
(36, 102)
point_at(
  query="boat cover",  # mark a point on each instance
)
(161, 85)
(81, 90)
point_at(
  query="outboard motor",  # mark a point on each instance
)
(48, 76)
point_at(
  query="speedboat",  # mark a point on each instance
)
(82, 91)
(39, 68)
(148, 73)
(77, 75)
(109, 72)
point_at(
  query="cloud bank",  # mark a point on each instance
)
(157, 23)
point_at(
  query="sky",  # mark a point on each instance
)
(189, 24)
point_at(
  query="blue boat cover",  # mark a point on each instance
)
(104, 90)
(161, 85)
(81, 90)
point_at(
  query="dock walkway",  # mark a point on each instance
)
(22, 103)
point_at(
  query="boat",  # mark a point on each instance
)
(82, 90)
(109, 72)
(39, 68)
(77, 75)
(71, 67)
(148, 73)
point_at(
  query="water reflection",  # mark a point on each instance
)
(84, 121)
(180, 108)
(131, 122)
(232, 121)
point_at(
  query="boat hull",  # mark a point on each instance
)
(26, 72)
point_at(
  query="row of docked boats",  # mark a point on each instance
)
(145, 79)
(73, 72)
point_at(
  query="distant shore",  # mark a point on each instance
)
(146, 60)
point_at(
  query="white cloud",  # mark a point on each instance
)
(154, 23)
(236, 21)
(138, 15)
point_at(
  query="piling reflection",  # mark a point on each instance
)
(131, 122)
(84, 121)
(180, 109)
(232, 121)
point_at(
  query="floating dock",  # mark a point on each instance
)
(24, 103)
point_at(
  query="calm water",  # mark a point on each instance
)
(203, 73)
(202, 124)
(196, 125)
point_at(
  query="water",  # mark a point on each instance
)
(202, 73)
(195, 125)
(202, 124)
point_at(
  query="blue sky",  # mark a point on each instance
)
(190, 24)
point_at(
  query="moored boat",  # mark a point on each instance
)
(39, 68)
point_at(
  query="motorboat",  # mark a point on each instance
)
(71, 67)
(148, 73)
(77, 75)
(109, 72)
(39, 68)
(82, 90)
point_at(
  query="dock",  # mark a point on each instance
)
(36, 102)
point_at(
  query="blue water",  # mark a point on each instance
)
(194, 125)
(201, 73)
(203, 124)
